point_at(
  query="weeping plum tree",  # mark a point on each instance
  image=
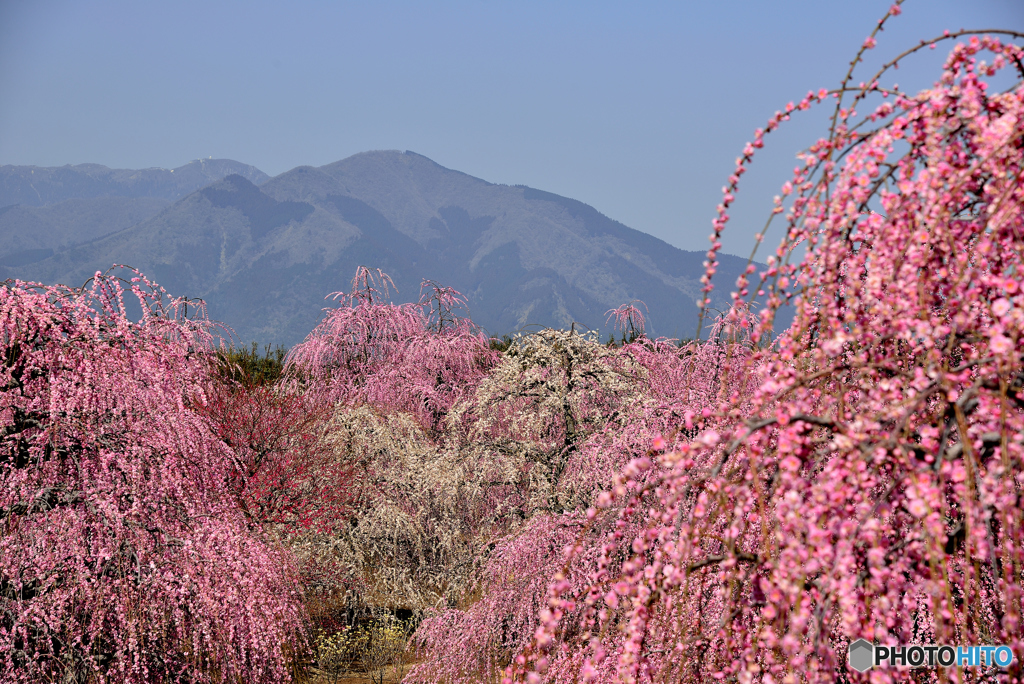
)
(419, 358)
(122, 555)
(871, 486)
(413, 539)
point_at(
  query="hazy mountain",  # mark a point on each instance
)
(46, 209)
(29, 234)
(265, 257)
(38, 185)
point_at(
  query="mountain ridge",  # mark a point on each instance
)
(264, 256)
(39, 185)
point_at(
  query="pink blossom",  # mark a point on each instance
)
(1001, 344)
(1001, 307)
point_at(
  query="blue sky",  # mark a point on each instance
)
(637, 108)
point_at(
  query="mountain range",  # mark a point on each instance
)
(264, 252)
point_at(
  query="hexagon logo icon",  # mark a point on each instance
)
(862, 655)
